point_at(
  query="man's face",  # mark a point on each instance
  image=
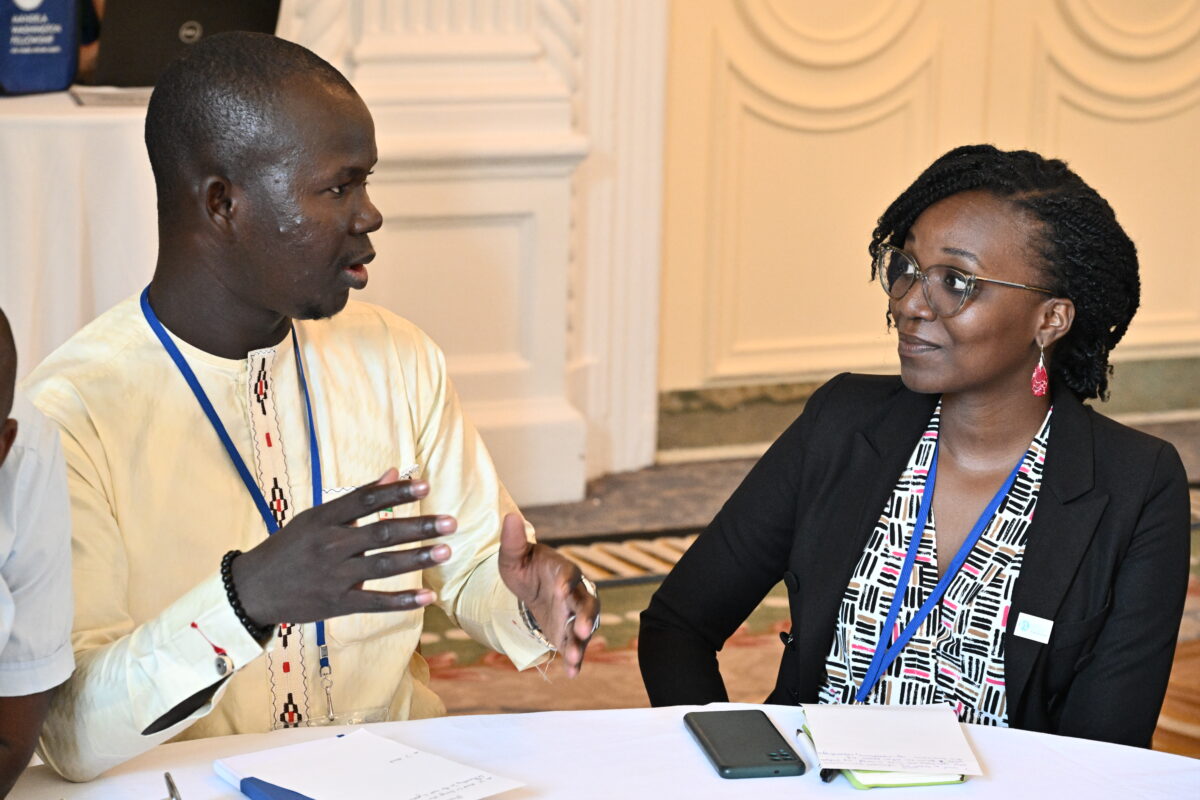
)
(302, 216)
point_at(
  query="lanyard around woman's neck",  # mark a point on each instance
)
(885, 655)
(239, 463)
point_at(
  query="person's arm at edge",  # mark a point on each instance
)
(36, 657)
(725, 573)
(20, 721)
(1135, 648)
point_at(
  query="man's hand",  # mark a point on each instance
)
(552, 589)
(314, 567)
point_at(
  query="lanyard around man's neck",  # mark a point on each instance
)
(239, 463)
(218, 427)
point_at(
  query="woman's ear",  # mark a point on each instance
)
(1058, 314)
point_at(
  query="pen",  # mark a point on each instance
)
(826, 774)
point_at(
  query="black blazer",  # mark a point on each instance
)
(1106, 559)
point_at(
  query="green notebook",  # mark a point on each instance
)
(871, 779)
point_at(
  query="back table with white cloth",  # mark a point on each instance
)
(77, 216)
(649, 753)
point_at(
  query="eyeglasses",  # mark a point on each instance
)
(946, 289)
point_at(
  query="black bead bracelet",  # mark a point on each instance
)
(259, 632)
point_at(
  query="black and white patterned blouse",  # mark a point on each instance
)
(956, 656)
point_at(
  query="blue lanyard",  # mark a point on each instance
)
(884, 655)
(256, 494)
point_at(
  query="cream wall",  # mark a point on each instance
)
(791, 124)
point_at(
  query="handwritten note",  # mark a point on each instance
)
(364, 766)
(924, 739)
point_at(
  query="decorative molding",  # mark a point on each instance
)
(447, 17)
(1130, 95)
(613, 357)
(517, 57)
(781, 29)
(323, 26)
(561, 38)
(835, 112)
(728, 357)
(482, 155)
(1160, 38)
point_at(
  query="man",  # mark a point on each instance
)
(261, 153)
(35, 570)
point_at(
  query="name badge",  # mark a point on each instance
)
(1035, 628)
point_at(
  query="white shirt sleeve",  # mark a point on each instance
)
(35, 559)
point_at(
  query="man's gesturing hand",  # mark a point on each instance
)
(552, 589)
(314, 566)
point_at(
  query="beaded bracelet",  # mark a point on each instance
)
(259, 632)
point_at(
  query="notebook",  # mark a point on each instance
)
(876, 746)
(361, 765)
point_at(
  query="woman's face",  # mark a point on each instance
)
(991, 344)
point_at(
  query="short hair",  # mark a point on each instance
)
(214, 106)
(1085, 254)
(8, 367)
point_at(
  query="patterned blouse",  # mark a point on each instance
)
(956, 656)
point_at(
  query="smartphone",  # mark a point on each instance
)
(743, 744)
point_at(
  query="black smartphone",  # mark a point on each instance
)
(743, 744)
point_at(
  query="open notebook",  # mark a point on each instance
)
(878, 746)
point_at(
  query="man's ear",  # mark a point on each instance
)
(220, 201)
(1058, 314)
(8, 435)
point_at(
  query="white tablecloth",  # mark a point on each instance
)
(77, 216)
(636, 753)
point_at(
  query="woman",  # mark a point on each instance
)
(1046, 575)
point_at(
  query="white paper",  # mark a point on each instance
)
(924, 739)
(363, 766)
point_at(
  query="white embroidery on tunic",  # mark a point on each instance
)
(286, 664)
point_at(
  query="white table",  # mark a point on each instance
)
(77, 216)
(636, 753)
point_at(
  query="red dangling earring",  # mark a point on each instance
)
(1039, 382)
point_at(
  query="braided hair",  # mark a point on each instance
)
(1085, 255)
